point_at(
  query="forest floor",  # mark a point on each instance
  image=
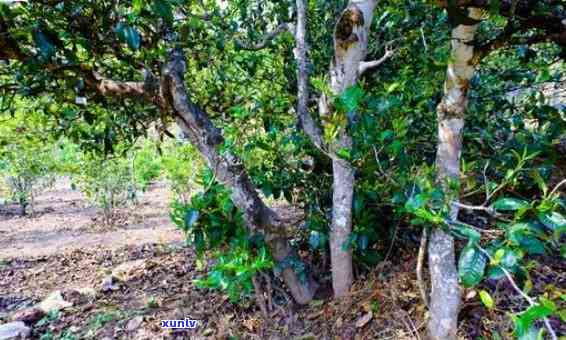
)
(63, 252)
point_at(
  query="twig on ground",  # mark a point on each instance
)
(260, 298)
(520, 291)
(420, 260)
(392, 243)
(269, 290)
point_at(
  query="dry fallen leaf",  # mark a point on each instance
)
(364, 320)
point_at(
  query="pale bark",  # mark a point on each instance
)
(350, 49)
(308, 124)
(445, 290)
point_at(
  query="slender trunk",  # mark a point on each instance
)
(350, 49)
(196, 125)
(340, 250)
(445, 290)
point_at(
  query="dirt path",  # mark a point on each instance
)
(65, 221)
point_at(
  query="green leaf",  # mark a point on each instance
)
(129, 35)
(462, 230)
(198, 239)
(497, 257)
(316, 239)
(471, 266)
(137, 6)
(163, 9)
(415, 202)
(344, 153)
(552, 220)
(363, 241)
(46, 48)
(509, 204)
(191, 217)
(494, 7)
(387, 134)
(486, 299)
(524, 321)
(392, 87)
(351, 97)
(521, 234)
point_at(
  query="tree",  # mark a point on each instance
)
(72, 45)
(350, 38)
(26, 154)
(466, 53)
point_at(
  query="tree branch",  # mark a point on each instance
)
(367, 65)
(308, 124)
(230, 171)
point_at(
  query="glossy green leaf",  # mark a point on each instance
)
(524, 321)
(471, 266)
(552, 220)
(129, 35)
(43, 43)
(462, 230)
(351, 98)
(191, 217)
(486, 299)
(137, 6)
(163, 9)
(316, 239)
(509, 204)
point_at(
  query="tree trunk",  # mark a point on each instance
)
(445, 290)
(229, 170)
(340, 249)
(350, 49)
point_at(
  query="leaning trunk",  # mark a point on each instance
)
(445, 290)
(229, 170)
(350, 49)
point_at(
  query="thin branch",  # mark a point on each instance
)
(488, 210)
(392, 242)
(265, 40)
(367, 65)
(308, 124)
(523, 294)
(557, 187)
(420, 261)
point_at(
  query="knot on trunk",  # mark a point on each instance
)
(344, 32)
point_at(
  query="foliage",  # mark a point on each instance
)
(181, 164)
(26, 162)
(512, 158)
(146, 165)
(212, 222)
(106, 182)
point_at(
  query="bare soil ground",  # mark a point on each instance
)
(65, 221)
(63, 248)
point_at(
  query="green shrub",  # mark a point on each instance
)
(106, 182)
(211, 222)
(181, 164)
